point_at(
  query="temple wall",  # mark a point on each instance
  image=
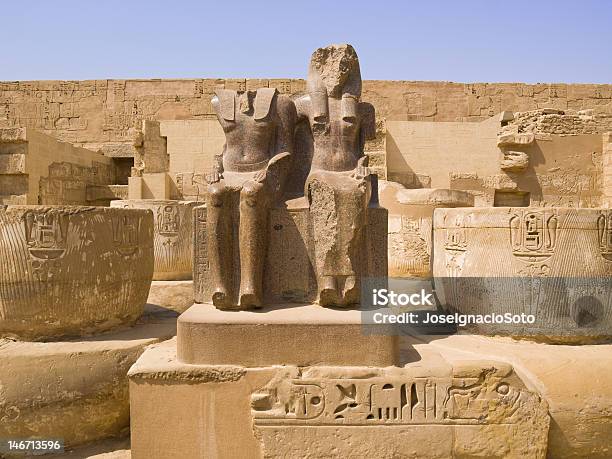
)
(41, 170)
(98, 114)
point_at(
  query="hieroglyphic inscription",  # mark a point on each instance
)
(484, 398)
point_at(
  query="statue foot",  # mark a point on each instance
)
(328, 294)
(220, 299)
(249, 300)
(351, 292)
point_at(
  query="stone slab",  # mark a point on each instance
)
(293, 334)
(75, 390)
(456, 408)
(174, 295)
(574, 380)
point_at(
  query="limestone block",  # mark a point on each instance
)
(174, 295)
(173, 235)
(552, 263)
(410, 237)
(431, 408)
(289, 269)
(70, 270)
(75, 390)
(280, 336)
(514, 161)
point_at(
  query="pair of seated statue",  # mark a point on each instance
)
(276, 145)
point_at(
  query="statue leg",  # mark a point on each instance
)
(220, 251)
(253, 238)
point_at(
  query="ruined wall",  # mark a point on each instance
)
(37, 169)
(542, 157)
(98, 114)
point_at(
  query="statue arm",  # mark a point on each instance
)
(279, 165)
(216, 172)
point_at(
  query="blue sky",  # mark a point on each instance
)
(462, 41)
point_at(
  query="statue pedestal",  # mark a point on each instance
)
(302, 335)
(433, 407)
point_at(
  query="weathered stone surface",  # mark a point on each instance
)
(514, 161)
(99, 114)
(513, 139)
(411, 225)
(37, 169)
(574, 380)
(482, 409)
(72, 270)
(279, 336)
(74, 390)
(174, 295)
(553, 263)
(173, 236)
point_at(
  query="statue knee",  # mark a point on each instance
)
(216, 194)
(251, 193)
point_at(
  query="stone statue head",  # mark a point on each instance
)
(335, 71)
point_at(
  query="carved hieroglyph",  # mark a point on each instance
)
(553, 263)
(173, 236)
(319, 408)
(411, 225)
(71, 270)
(338, 186)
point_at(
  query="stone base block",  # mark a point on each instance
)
(432, 408)
(576, 381)
(174, 295)
(75, 390)
(294, 334)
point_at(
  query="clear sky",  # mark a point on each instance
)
(463, 40)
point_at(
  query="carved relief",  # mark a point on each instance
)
(455, 246)
(168, 220)
(46, 234)
(125, 233)
(604, 233)
(173, 236)
(533, 235)
(488, 396)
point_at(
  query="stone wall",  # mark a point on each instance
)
(99, 114)
(37, 169)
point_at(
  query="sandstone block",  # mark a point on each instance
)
(72, 270)
(173, 236)
(411, 211)
(514, 139)
(514, 161)
(301, 335)
(74, 390)
(432, 408)
(551, 263)
(174, 295)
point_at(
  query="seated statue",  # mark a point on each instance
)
(247, 179)
(338, 186)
